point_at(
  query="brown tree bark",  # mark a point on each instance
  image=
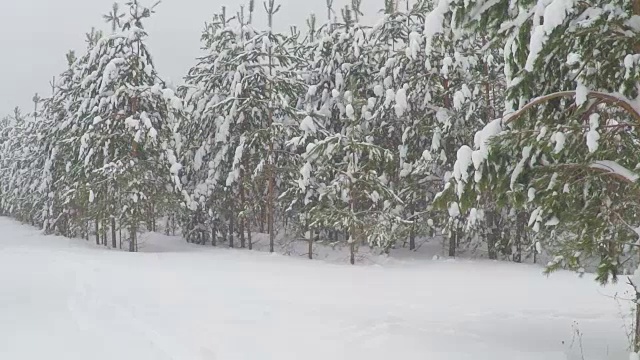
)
(114, 244)
(243, 206)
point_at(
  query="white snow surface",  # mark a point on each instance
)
(67, 299)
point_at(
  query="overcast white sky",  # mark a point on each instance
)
(36, 34)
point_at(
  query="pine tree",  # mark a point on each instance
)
(317, 71)
(399, 117)
(563, 141)
(210, 85)
(343, 169)
(245, 96)
(432, 94)
(123, 134)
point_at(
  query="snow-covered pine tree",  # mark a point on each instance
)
(23, 157)
(123, 133)
(209, 85)
(397, 110)
(317, 71)
(245, 92)
(13, 160)
(563, 151)
(5, 133)
(571, 122)
(283, 89)
(431, 95)
(37, 171)
(469, 97)
(59, 110)
(65, 213)
(343, 165)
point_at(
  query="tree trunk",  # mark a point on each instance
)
(97, 228)
(270, 217)
(636, 337)
(214, 235)
(113, 233)
(309, 236)
(520, 235)
(352, 252)
(243, 206)
(231, 226)
(243, 242)
(491, 234)
(261, 218)
(104, 232)
(453, 239)
(133, 246)
(153, 218)
(412, 235)
(249, 243)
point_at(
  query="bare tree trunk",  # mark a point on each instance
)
(270, 198)
(231, 225)
(97, 229)
(636, 340)
(520, 235)
(412, 234)
(352, 251)
(491, 234)
(262, 217)
(214, 235)
(243, 243)
(133, 239)
(309, 236)
(636, 324)
(113, 232)
(243, 206)
(154, 224)
(104, 233)
(453, 239)
(249, 241)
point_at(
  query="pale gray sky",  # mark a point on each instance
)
(36, 34)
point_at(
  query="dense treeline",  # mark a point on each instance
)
(343, 132)
(348, 133)
(509, 127)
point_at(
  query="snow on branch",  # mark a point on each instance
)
(614, 168)
(612, 98)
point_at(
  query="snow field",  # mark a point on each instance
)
(67, 299)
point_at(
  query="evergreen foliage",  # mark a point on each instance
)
(354, 134)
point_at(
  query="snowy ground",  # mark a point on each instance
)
(66, 299)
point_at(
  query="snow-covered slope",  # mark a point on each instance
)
(65, 299)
